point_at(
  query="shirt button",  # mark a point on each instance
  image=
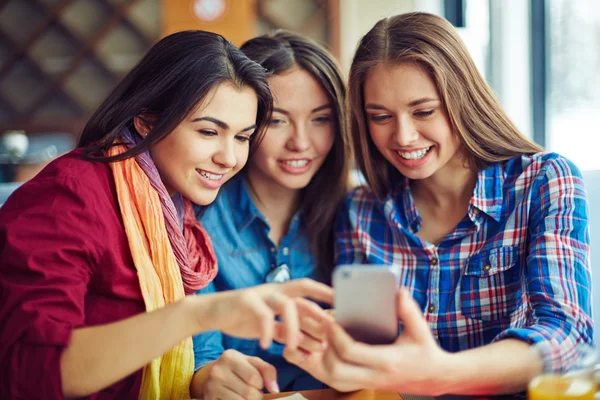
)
(434, 261)
(431, 308)
(286, 251)
(487, 268)
(273, 249)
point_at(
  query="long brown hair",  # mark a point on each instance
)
(279, 52)
(475, 114)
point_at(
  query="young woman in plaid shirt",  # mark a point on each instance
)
(490, 233)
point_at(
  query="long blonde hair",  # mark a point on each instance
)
(475, 114)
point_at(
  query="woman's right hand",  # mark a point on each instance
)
(237, 376)
(250, 313)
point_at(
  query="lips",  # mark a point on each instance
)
(210, 175)
(210, 179)
(414, 154)
(296, 165)
(421, 157)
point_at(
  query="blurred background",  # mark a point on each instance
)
(60, 58)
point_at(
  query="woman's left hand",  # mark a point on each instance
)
(414, 363)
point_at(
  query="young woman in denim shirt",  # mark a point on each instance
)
(490, 233)
(274, 222)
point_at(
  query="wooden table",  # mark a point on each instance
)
(328, 394)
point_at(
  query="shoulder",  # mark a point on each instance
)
(545, 165)
(360, 205)
(72, 169)
(71, 204)
(361, 197)
(547, 178)
(69, 181)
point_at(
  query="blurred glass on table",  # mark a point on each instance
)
(578, 382)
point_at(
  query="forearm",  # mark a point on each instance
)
(506, 366)
(199, 379)
(96, 357)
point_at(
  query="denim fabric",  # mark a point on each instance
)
(239, 232)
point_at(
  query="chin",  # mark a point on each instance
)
(297, 185)
(202, 198)
(415, 174)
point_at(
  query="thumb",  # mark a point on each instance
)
(411, 316)
(268, 373)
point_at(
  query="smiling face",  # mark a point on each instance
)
(209, 146)
(407, 121)
(299, 136)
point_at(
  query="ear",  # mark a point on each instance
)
(142, 125)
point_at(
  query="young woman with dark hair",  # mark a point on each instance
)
(274, 222)
(98, 251)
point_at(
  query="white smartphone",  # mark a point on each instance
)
(365, 301)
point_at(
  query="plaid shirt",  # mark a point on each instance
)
(516, 266)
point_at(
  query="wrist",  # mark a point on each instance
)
(449, 373)
(198, 385)
(196, 310)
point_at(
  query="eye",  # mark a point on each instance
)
(207, 132)
(423, 114)
(243, 138)
(379, 117)
(323, 119)
(276, 121)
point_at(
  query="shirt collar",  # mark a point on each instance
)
(241, 203)
(245, 211)
(400, 202)
(488, 196)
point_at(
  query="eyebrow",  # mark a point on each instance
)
(421, 101)
(221, 124)
(314, 110)
(411, 104)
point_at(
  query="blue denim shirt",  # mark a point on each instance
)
(239, 232)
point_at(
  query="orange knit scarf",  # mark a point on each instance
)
(168, 376)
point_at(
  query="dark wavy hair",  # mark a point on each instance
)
(279, 52)
(170, 81)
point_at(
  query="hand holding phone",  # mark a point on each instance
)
(365, 302)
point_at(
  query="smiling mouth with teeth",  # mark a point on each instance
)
(212, 177)
(414, 155)
(296, 163)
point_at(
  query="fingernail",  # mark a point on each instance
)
(274, 387)
(323, 345)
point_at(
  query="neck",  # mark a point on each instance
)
(449, 187)
(278, 204)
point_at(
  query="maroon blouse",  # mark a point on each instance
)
(64, 263)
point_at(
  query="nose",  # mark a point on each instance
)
(299, 140)
(406, 131)
(225, 154)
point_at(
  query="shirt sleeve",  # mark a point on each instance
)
(348, 249)
(558, 275)
(208, 346)
(47, 255)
